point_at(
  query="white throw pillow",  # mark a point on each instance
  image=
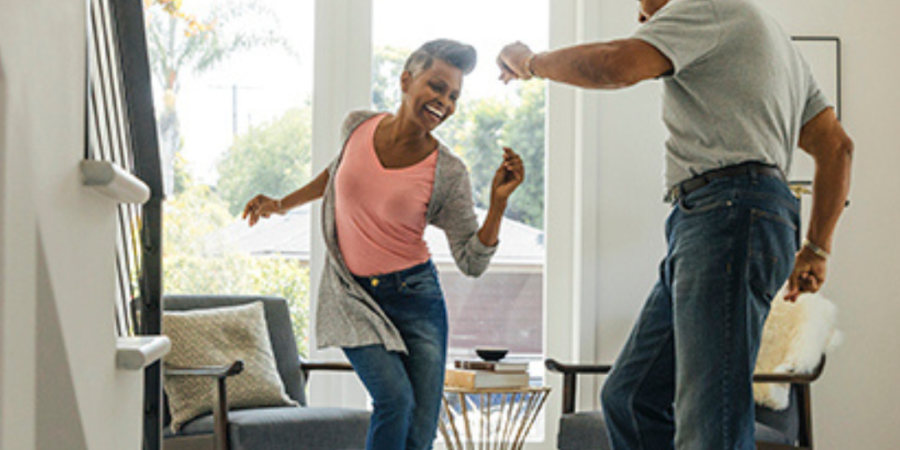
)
(215, 337)
(795, 336)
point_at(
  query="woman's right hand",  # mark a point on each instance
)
(260, 207)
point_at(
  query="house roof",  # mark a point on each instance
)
(289, 236)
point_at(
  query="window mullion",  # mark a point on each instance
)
(341, 81)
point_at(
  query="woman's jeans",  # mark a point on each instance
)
(406, 389)
(683, 379)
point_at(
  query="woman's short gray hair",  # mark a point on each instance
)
(459, 55)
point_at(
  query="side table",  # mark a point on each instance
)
(494, 418)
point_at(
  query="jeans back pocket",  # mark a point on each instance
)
(771, 246)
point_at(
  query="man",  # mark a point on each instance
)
(738, 98)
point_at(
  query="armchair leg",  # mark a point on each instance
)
(568, 393)
(220, 416)
(805, 405)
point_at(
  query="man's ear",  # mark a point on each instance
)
(405, 79)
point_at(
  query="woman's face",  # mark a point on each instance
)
(430, 96)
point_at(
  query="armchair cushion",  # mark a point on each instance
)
(220, 336)
(785, 421)
(583, 430)
(587, 430)
(290, 427)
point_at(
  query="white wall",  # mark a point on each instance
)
(630, 192)
(59, 388)
(17, 277)
(854, 402)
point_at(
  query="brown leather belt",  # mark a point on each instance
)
(699, 181)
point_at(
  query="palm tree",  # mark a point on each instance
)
(180, 42)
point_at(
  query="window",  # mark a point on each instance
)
(232, 83)
(235, 100)
(505, 306)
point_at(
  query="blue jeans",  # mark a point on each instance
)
(406, 389)
(683, 379)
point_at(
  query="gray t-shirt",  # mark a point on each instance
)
(740, 90)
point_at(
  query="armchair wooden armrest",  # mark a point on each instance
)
(206, 371)
(571, 371)
(570, 383)
(556, 366)
(793, 378)
(308, 366)
(220, 409)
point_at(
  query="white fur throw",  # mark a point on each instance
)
(794, 338)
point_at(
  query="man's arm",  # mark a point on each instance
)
(602, 65)
(831, 148)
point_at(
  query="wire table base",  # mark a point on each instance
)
(491, 418)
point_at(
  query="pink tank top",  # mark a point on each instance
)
(379, 212)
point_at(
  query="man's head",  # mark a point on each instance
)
(647, 8)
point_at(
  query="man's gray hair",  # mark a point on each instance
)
(459, 55)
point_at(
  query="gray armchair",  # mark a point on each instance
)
(790, 429)
(270, 428)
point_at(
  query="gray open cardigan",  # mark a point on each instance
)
(346, 316)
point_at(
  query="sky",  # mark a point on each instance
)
(258, 86)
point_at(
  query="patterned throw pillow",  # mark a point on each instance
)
(215, 337)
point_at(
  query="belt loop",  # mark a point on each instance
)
(754, 173)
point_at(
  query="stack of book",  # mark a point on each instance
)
(478, 374)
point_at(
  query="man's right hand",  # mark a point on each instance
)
(512, 60)
(808, 275)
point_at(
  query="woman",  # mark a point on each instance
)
(380, 299)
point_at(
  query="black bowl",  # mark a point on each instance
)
(491, 354)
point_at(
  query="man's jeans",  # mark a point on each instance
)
(683, 379)
(406, 389)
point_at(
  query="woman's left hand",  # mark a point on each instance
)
(509, 176)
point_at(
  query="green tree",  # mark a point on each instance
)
(180, 42)
(525, 134)
(182, 178)
(194, 217)
(273, 159)
(479, 130)
(476, 138)
(387, 65)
